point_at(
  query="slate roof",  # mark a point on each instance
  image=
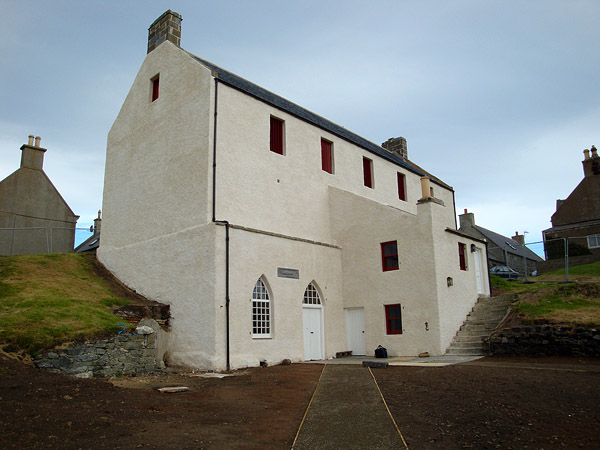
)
(498, 240)
(91, 243)
(281, 103)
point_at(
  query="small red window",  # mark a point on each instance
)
(368, 172)
(389, 255)
(155, 87)
(401, 186)
(326, 156)
(393, 319)
(276, 135)
(462, 257)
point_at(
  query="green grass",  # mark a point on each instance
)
(551, 302)
(588, 271)
(46, 300)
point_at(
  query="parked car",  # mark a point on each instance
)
(505, 272)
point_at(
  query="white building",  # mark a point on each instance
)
(272, 232)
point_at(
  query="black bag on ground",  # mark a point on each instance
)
(380, 352)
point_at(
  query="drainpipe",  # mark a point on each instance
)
(222, 222)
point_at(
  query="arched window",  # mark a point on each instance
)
(311, 295)
(261, 310)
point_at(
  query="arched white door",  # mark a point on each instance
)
(312, 324)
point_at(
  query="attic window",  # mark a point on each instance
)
(401, 186)
(154, 84)
(277, 135)
(368, 172)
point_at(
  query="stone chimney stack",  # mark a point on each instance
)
(32, 155)
(591, 164)
(166, 28)
(466, 220)
(97, 223)
(396, 146)
(520, 238)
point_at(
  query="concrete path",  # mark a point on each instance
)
(347, 411)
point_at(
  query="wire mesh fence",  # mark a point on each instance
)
(40, 240)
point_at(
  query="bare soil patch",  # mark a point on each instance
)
(555, 404)
(258, 408)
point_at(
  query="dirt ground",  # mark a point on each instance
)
(554, 405)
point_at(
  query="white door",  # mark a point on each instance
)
(479, 272)
(355, 330)
(313, 342)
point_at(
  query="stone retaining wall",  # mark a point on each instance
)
(544, 340)
(121, 355)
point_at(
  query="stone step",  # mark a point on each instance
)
(477, 328)
(464, 352)
(483, 321)
(466, 345)
(490, 309)
(471, 333)
(475, 338)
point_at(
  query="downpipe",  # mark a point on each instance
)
(226, 224)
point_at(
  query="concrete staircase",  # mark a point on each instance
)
(485, 316)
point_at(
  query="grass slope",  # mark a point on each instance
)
(550, 302)
(46, 300)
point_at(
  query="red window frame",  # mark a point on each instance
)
(393, 318)
(155, 87)
(276, 145)
(326, 156)
(401, 186)
(389, 255)
(462, 256)
(368, 172)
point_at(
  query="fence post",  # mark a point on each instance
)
(567, 259)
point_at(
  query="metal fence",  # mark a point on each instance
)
(39, 240)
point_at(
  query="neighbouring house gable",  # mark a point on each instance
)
(582, 205)
(29, 192)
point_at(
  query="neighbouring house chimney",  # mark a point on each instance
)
(520, 238)
(166, 28)
(397, 146)
(591, 164)
(32, 156)
(466, 220)
(97, 223)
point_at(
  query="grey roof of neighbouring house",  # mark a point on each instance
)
(498, 240)
(281, 103)
(91, 243)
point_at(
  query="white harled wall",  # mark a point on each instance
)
(158, 236)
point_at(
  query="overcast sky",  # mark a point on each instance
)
(497, 98)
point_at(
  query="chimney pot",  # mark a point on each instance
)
(591, 164)
(37, 141)
(466, 212)
(425, 188)
(30, 140)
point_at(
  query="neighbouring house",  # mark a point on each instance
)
(93, 242)
(502, 250)
(577, 219)
(34, 218)
(272, 232)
